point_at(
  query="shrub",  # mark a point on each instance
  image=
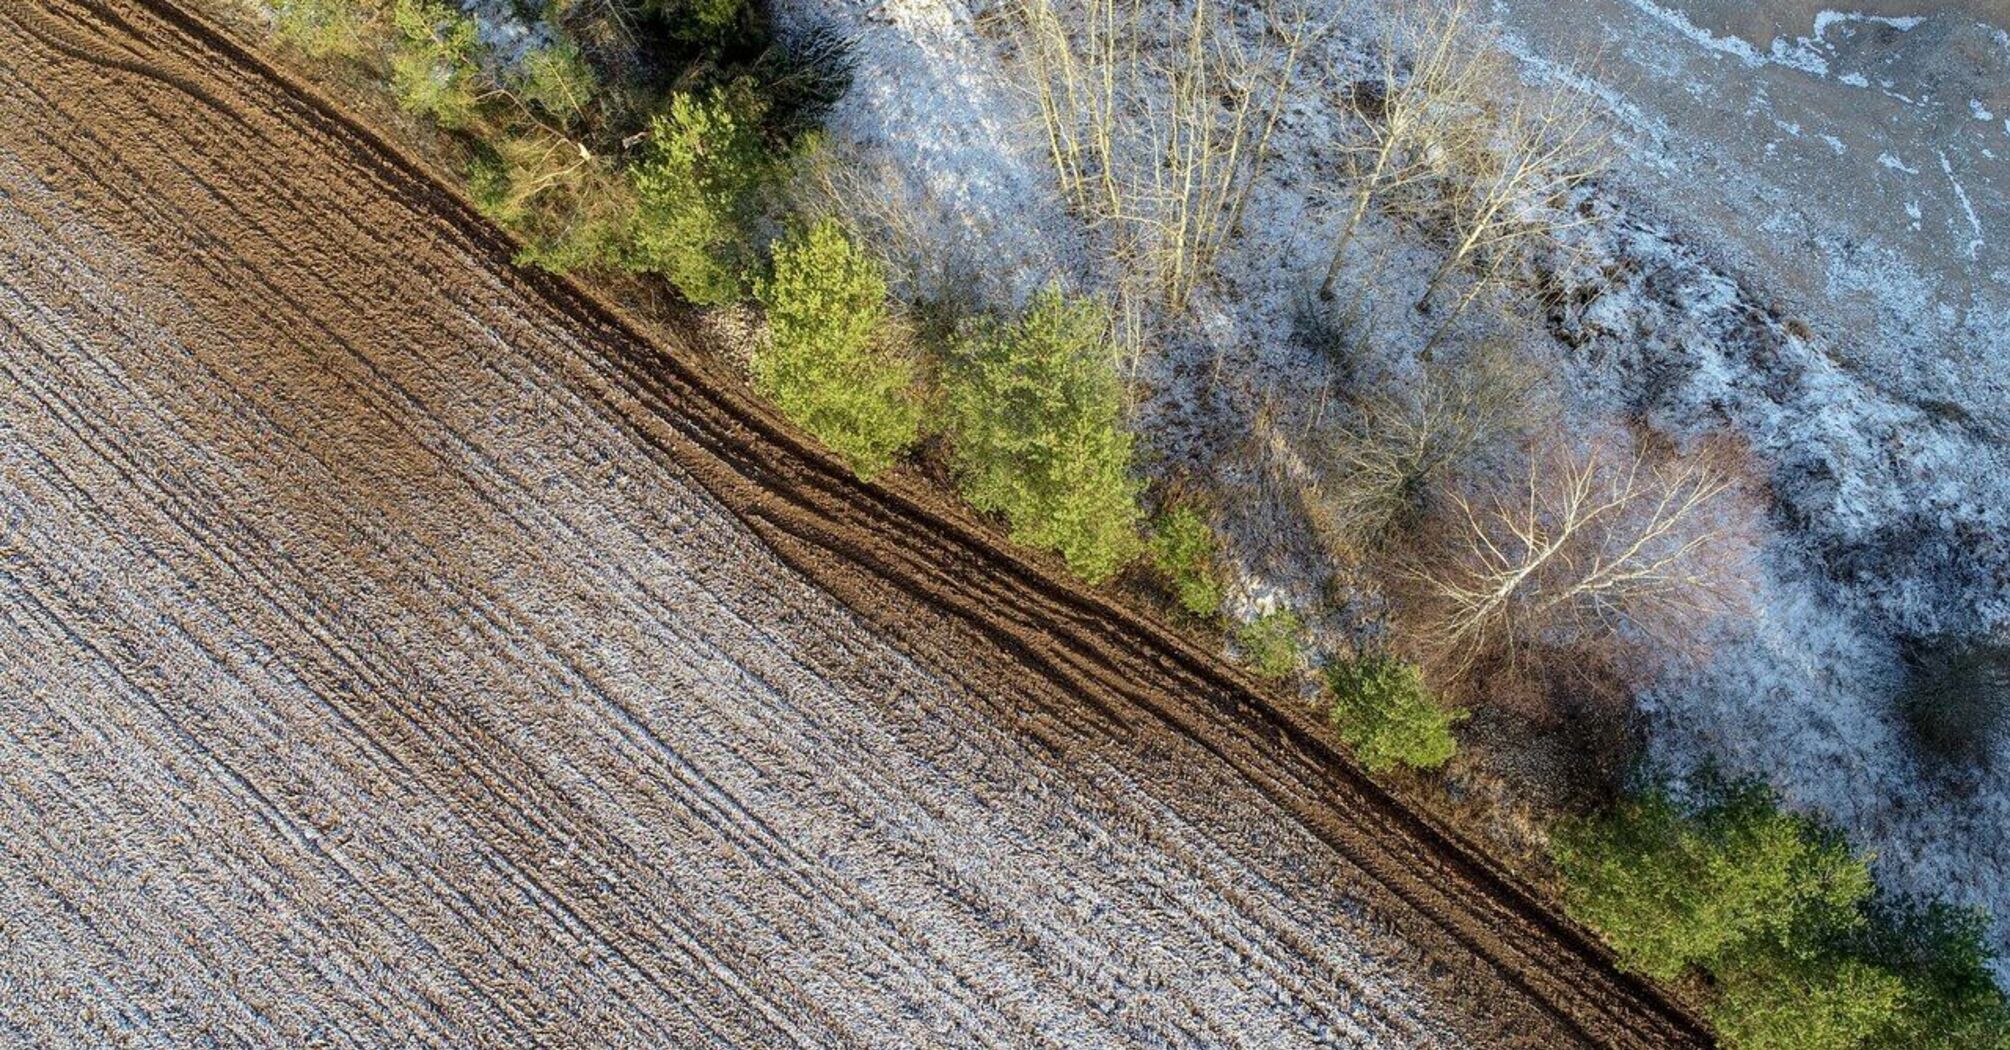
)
(1950, 1001)
(1038, 415)
(572, 213)
(1674, 889)
(321, 28)
(697, 190)
(1784, 1001)
(1383, 711)
(1183, 548)
(826, 363)
(804, 77)
(556, 79)
(1778, 912)
(699, 21)
(1957, 702)
(1623, 552)
(1270, 642)
(1399, 447)
(433, 68)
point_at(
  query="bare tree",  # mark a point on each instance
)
(1411, 108)
(1450, 139)
(1586, 548)
(1159, 117)
(1513, 188)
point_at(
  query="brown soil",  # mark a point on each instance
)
(401, 651)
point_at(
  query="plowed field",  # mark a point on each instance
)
(397, 650)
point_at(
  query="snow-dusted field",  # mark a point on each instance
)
(1803, 244)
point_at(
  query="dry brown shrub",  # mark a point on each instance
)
(1400, 446)
(1450, 141)
(1956, 701)
(873, 201)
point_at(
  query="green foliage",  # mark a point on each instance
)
(579, 242)
(697, 191)
(542, 128)
(571, 212)
(322, 28)
(556, 79)
(1778, 911)
(1783, 1001)
(1383, 710)
(490, 186)
(700, 21)
(1038, 414)
(1183, 548)
(1270, 642)
(1951, 1002)
(434, 71)
(1674, 888)
(827, 363)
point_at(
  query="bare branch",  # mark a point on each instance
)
(1159, 121)
(1596, 547)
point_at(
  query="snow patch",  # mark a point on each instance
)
(1803, 53)
(1895, 164)
(1967, 206)
(1796, 55)
(1828, 18)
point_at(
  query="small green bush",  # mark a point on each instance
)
(827, 363)
(1383, 710)
(700, 21)
(1270, 642)
(1038, 416)
(556, 79)
(1183, 548)
(1783, 918)
(322, 28)
(571, 214)
(697, 191)
(1674, 888)
(434, 71)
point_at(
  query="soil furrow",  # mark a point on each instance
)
(604, 708)
(305, 320)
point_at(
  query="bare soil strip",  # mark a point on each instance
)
(399, 650)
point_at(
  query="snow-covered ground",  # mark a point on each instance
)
(1799, 244)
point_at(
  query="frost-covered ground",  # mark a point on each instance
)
(1851, 168)
(1800, 245)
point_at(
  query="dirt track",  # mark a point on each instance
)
(395, 650)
